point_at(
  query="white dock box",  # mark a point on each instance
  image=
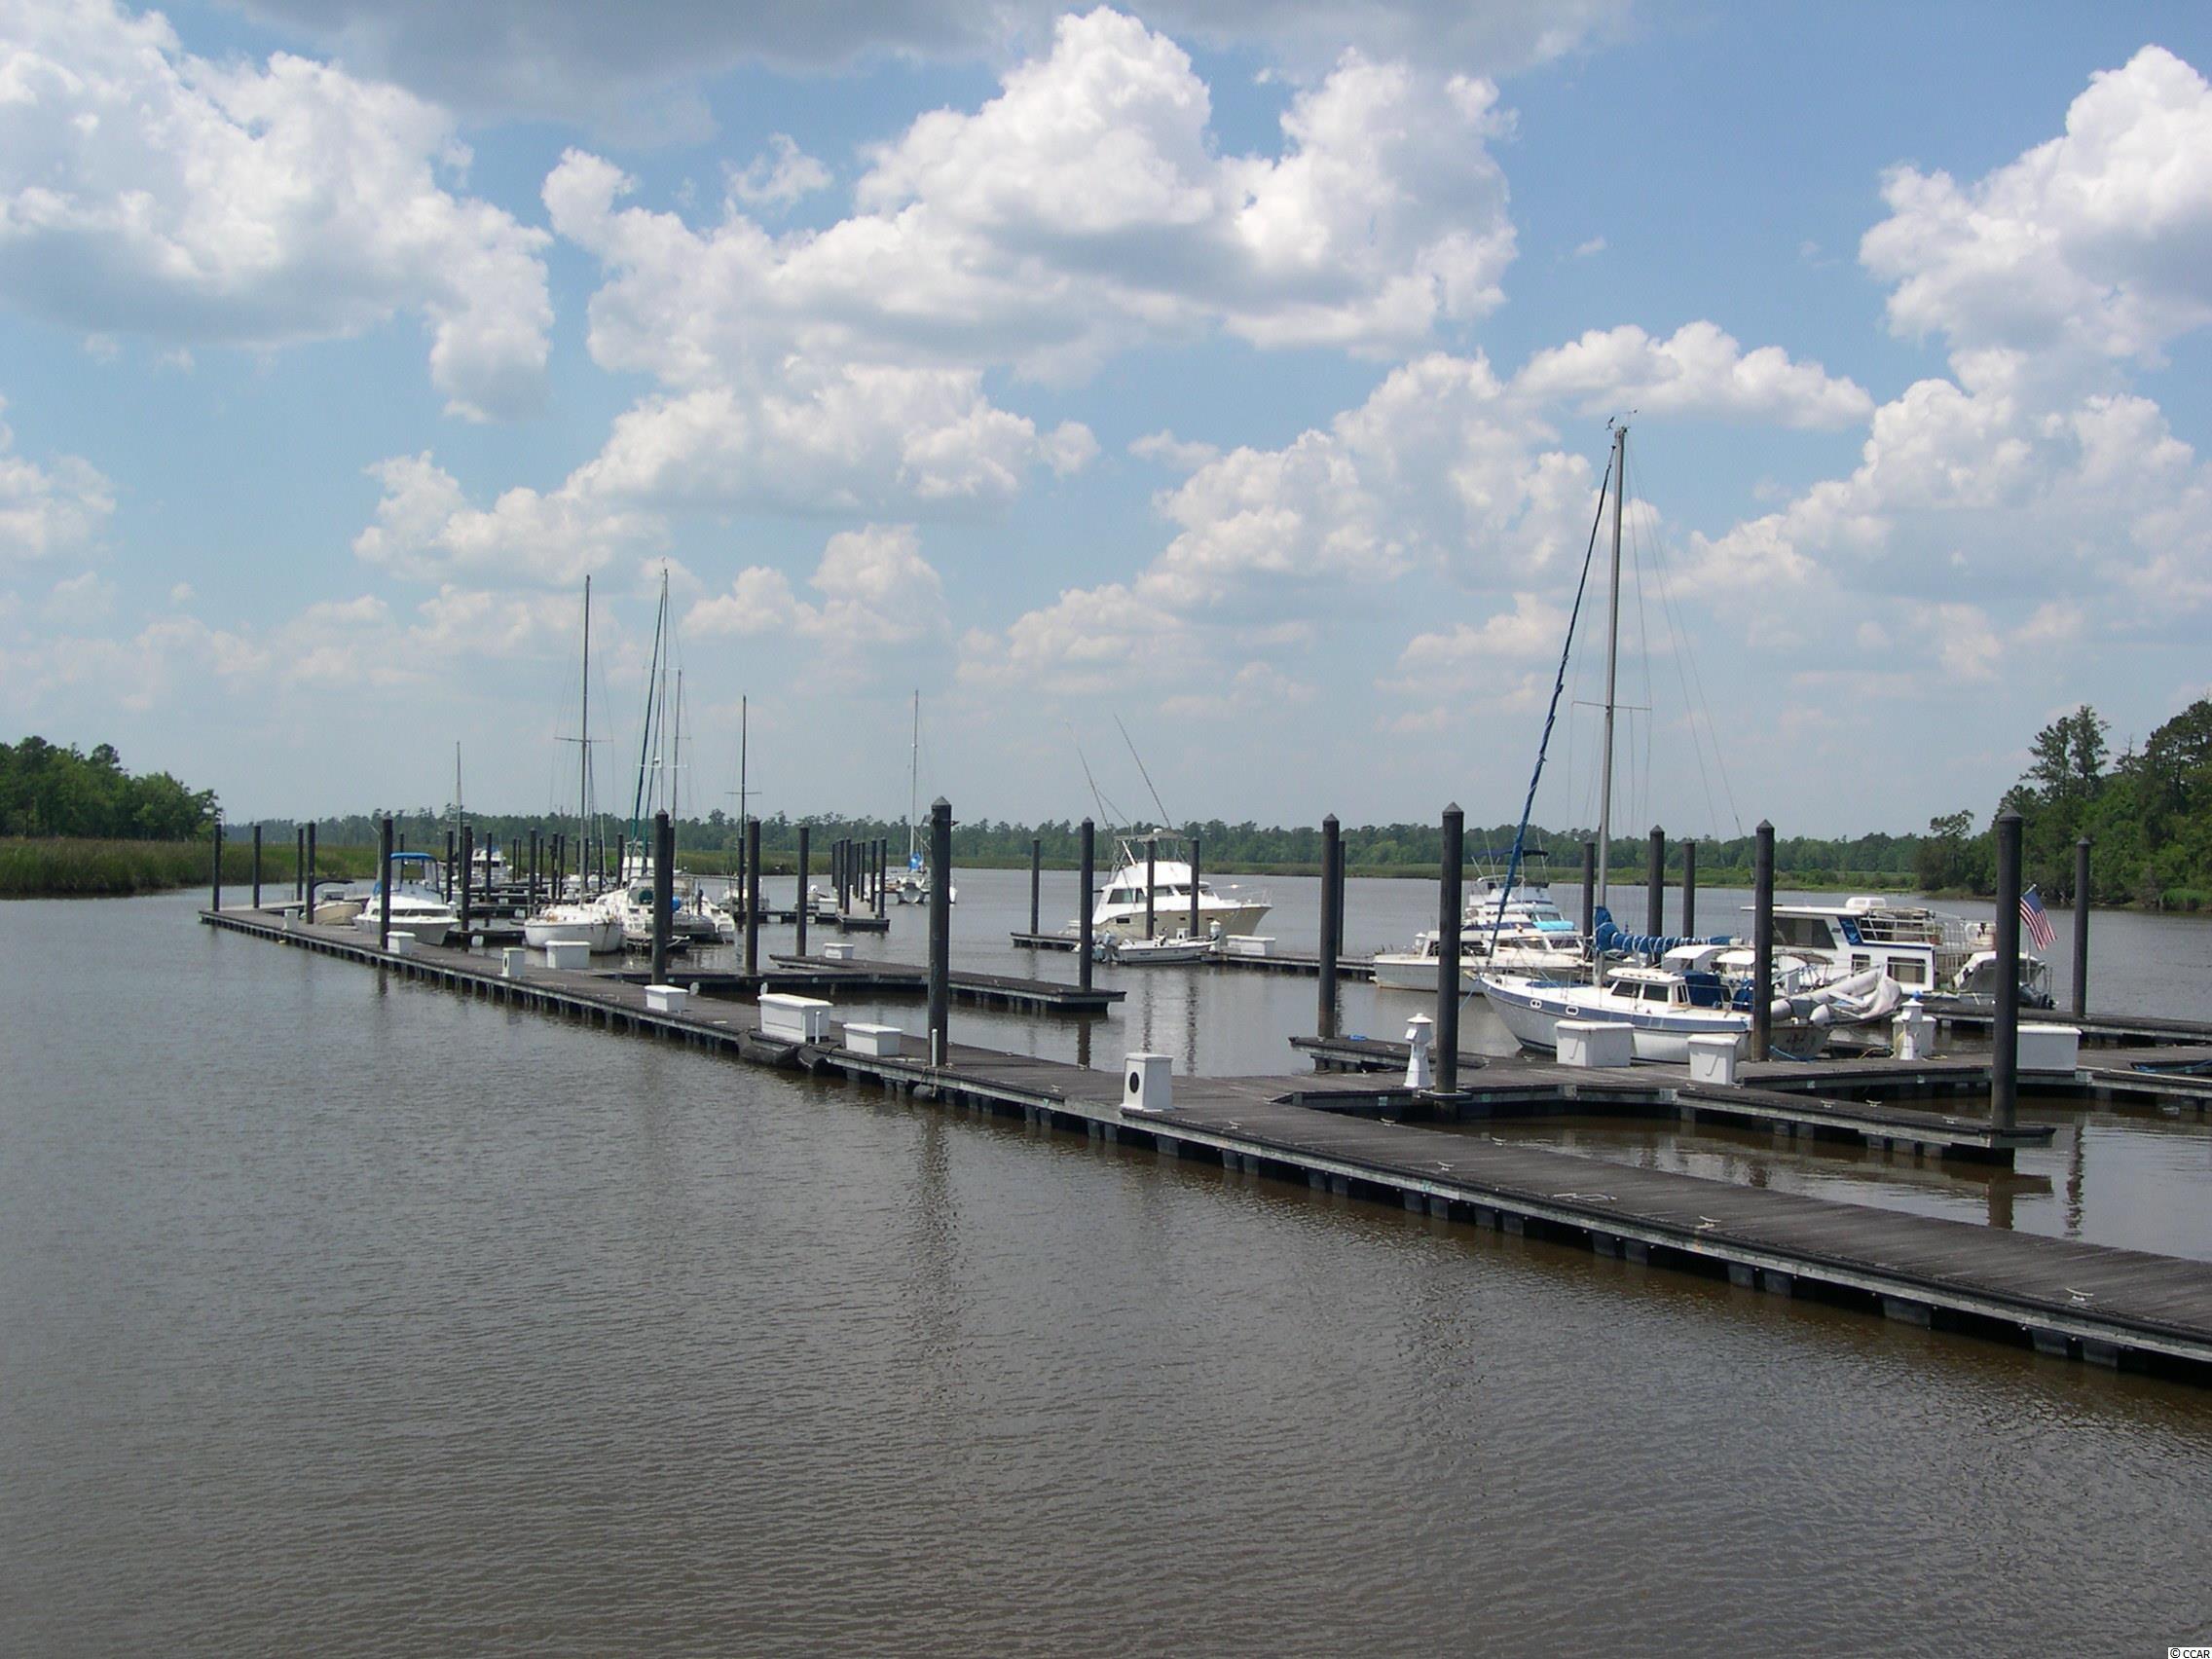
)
(1145, 1083)
(798, 1019)
(512, 960)
(567, 953)
(401, 943)
(1595, 1043)
(2049, 1048)
(885, 1041)
(1245, 944)
(1914, 1032)
(665, 999)
(837, 950)
(1713, 1057)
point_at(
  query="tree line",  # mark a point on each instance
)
(2146, 813)
(49, 790)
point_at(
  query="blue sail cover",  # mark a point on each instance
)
(1608, 937)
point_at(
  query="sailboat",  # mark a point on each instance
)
(593, 923)
(1685, 987)
(911, 885)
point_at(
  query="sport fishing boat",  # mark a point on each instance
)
(417, 906)
(1140, 866)
(1521, 930)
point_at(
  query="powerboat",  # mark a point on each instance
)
(1159, 952)
(417, 906)
(1927, 952)
(594, 923)
(1120, 908)
(1516, 930)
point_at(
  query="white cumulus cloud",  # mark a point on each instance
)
(148, 192)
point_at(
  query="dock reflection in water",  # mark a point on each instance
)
(361, 1317)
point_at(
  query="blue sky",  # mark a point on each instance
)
(1240, 371)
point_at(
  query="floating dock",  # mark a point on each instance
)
(2106, 1306)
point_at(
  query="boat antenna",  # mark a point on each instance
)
(1105, 813)
(1164, 819)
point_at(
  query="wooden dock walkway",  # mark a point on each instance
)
(982, 990)
(1351, 968)
(1522, 1084)
(2090, 1302)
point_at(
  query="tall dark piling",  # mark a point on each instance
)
(664, 894)
(799, 905)
(467, 875)
(751, 895)
(1446, 1034)
(533, 840)
(310, 916)
(882, 869)
(623, 850)
(1151, 884)
(1036, 880)
(1689, 889)
(452, 885)
(1088, 855)
(299, 861)
(841, 862)
(1325, 1023)
(215, 879)
(1655, 884)
(941, 928)
(1589, 889)
(2005, 1020)
(2079, 928)
(384, 882)
(1762, 941)
(257, 867)
(1193, 925)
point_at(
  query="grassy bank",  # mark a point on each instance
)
(58, 868)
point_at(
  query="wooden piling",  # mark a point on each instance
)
(1082, 908)
(2004, 1022)
(751, 895)
(215, 889)
(310, 915)
(467, 874)
(1689, 889)
(883, 868)
(1589, 887)
(1331, 925)
(799, 905)
(452, 886)
(1194, 926)
(299, 861)
(382, 889)
(1150, 883)
(941, 929)
(1447, 902)
(664, 892)
(1036, 878)
(2079, 928)
(1655, 884)
(1762, 942)
(257, 867)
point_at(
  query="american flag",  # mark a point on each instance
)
(2033, 918)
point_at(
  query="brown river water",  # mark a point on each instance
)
(344, 1316)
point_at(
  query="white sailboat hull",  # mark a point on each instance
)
(1532, 1013)
(601, 934)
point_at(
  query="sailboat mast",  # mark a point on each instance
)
(1612, 664)
(914, 778)
(743, 724)
(582, 750)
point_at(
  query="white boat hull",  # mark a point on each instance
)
(1533, 1016)
(1231, 918)
(601, 935)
